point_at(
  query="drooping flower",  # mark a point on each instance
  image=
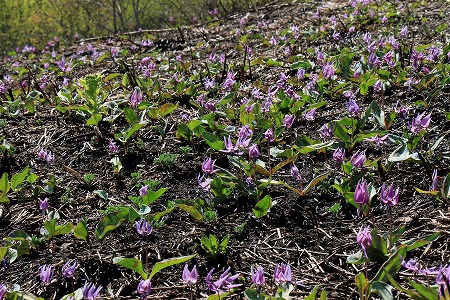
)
(358, 158)
(295, 173)
(190, 277)
(43, 204)
(435, 181)
(245, 132)
(90, 292)
(364, 239)
(112, 147)
(268, 135)
(68, 270)
(224, 283)
(3, 290)
(208, 166)
(253, 151)
(144, 287)
(353, 108)
(420, 123)
(388, 196)
(258, 276)
(143, 191)
(136, 97)
(143, 227)
(288, 121)
(411, 265)
(361, 195)
(402, 111)
(282, 274)
(326, 130)
(339, 155)
(46, 155)
(311, 115)
(328, 70)
(377, 140)
(46, 274)
(204, 183)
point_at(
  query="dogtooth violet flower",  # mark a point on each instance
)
(420, 122)
(190, 277)
(143, 227)
(143, 191)
(268, 135)
(358, 158)
(339, 155)
(90, 292)
(204, 183)
(3, 290)
(411, 265)
(224, 283)
(388, 195)
(288, 121)
(253, 151)
(43, 205)
(136, 97)
(364, 239)
(144, 287)
(361, 195)
(208, 166)
(434, 183)
(282, 273)
(295, 173)
(258, 276)
(353, 108)
(68, 270)
(311, 115)
(46, 273)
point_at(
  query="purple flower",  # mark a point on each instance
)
(434, 183)
(326, 130)
(43, 204)
(136, 97)
(190, 277)
(224, 283)
(404, 31)
(364, 239)
(388, 196)
(112, 147)
(349, 95)
(209, 83)
(253, 151)
(3, 290)
(339, 155)
(258, 276)
(90, 292)
(402, 111)
(288, 121)
(361, 195)
(46, 155)
(358, 158)
(420, 123)
(282, 274)
(208, 166)
(328, 70)
(268, 135)
(46, 273)
(245, 132)
(353, 108)
(229, 81)
(144, 287)
(377, 140)
(411, 265)
(143, 191)
(143, 227)
(68, 270)
(295, 173)
(205, 183)
(311, 115)
(300, 74)
(377, 86)
(63, 66)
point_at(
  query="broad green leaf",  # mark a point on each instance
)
(94, 119)
(403, 154)
(213, 141)
(32, 178)
(132, 264)
(314, 147)
(383, 289)
(392, 265)
(169, 262)
(262, 207)
(63, 229)
(314, 182)
(422, 242)
(446, 187)
(425, 291)
(220, 296)
(356, 258)
(152, 196)
(312, 295)
(341, 132)
(80, 231)
(109, 223)
(130, 115)
(4, 184)
(18, 179)
(323, 295)
(192, 211)
(362, 284)
(3, 251)
(4, 199)
(252, 294)
(162, 111)
(102, 194)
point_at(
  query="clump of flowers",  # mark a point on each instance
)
(46, 155)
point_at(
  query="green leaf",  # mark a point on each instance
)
(262, 207)
(403, 154)
(63, 229)
(94, 119)
(356, 258)
(4, 184)
(392, 265)
(130, 115)
(152, 196)
(446, 187)
(341, 132)
(425, 291)
(312, 295)
(132, 264)
(18, 179)
(213, 141)
(4, 199)
(110, 223)
(191, 210)
(169, 262)
(314, 182)
(162, 111)
(252, 294)
(3, 251)
(362, 283)
(80, 231)
(378, 113)
(383, 289)
(421, 242)
(315, 147)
